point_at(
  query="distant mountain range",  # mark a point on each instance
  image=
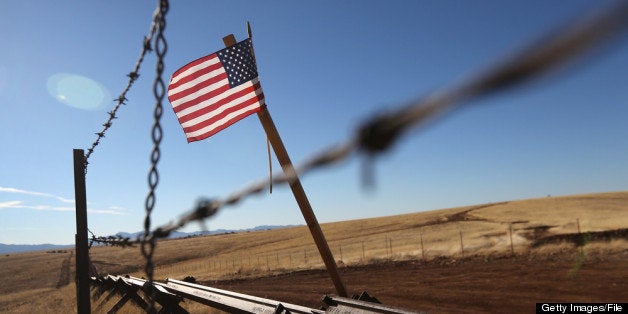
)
(16, 248)
(177, 234)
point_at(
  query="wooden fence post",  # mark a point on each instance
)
(82, 251)
(342, 259)
(580, 236)
(461, 245)
(386, 243)
(512, 248)
(363, 256)
(422, 250)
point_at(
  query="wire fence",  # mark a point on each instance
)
(378, 134)
(454, 242)
(121, 99)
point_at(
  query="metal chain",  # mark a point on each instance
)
(379, 133)
(159, 90)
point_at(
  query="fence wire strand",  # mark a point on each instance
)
(380, 133)
(121, 100)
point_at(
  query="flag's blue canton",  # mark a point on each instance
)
(238, 62)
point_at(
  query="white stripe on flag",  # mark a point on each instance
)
(195, 68)
(216, 99)
(196, 81)
(222, 121)
(220, 109)
(199, 93)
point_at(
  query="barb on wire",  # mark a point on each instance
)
(379, 133)
(118, 241)
(121, 100)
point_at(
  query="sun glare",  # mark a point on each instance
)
(78, 91)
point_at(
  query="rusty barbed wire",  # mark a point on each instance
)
(118, 241)
(159, 90)
(379, 133)
(121, 100)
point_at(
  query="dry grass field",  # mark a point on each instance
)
(44, 281)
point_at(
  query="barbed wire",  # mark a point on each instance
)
(121, 100)
(118, 241)
(112, 240)
(379, 133)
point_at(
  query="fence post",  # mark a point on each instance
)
(512, 248)
(580, 236)
(342, 259)
(461, 245)
(82, 254)
(422, 250)
(363, 257)
(386, 242)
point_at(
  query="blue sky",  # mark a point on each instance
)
(324, 67)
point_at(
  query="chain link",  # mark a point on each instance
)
(159, 91)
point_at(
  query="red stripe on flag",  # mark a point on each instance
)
(194, 75)
(222, 115)
(218, 104)
(222, 126)
(201, 98)
(193, 64)
(196, 88)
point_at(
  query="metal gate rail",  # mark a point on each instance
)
(172, 292)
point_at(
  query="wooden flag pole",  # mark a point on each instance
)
(297, 189)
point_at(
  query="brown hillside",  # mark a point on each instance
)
(427, 239)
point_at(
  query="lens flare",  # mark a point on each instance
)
(78, 91)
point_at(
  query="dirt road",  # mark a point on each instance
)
(473, 285)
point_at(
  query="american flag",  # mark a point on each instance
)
(215, 91)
